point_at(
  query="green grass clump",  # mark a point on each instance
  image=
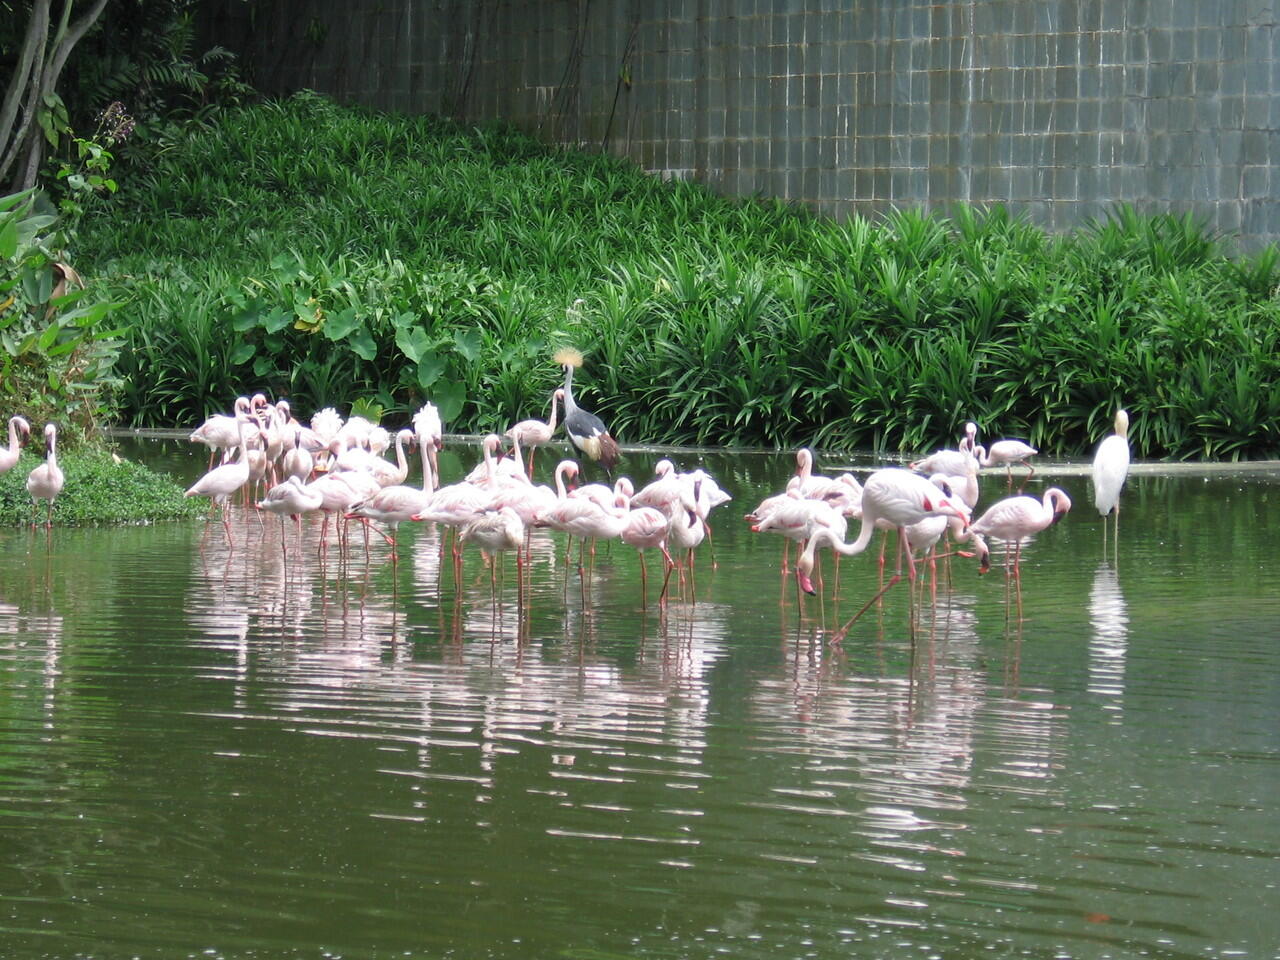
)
(98, 490)
(330, 255)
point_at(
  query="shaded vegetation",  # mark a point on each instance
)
(329, 254)
(98, 490)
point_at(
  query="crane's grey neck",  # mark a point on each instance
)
(569, 405)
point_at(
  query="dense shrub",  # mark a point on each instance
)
(331, 254)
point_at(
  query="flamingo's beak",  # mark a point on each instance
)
(806, 584)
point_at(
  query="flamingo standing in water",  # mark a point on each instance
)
(220, 432)
(395, 504)
(954, 463)
(1110, 468)
(19, 432)
(1012, 520)
(532, 434)
(899, 498)
(647, 527)
(587, 431)
(430, 433)
(1006, 453)
(291, 498)
(45, 481)
(495, 532)
(222, 481)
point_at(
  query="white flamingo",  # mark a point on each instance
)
(45, 481)
(291, 498)
(222, 481)
(220, 432)
(395, 504)
(19, 432)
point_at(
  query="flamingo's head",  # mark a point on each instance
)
(804, 568)
(1061, 504)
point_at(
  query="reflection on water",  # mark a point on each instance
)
(1109, 618)
(259, 752)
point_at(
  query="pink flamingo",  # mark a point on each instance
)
(222, 481)
(395, 504)
(647, 527)
(19, 432)
(291, 498)
(45, 481)
(220, 432)
(532, 434)
(1007, 453)
(495, 532)
(899, 498)
(1013, 519)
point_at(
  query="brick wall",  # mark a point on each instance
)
(1058, 108)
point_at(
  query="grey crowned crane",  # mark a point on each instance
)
(586, 430)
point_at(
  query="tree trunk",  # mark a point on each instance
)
(35, 76)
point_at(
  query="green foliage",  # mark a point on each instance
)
(98, 489)
(57, 348)
(337, 255)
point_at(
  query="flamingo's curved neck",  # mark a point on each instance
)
(428, 483)
(551, 424)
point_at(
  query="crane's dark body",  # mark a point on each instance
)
(587, 431)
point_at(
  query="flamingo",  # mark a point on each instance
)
(531, 434)
(45, 481)
(954, 463)
(1110, 467)
(220, 432)
(394, 504)
(686, 533)
(1013, 519)
(494, 469)
(587, 431)
(899, 498)
(495, 532)
(387, 474)
(338, 491)
(19, 433)
(298, 460)
(1007, 453)
(222, 481)
(291, 498)
(647, 527)
(796, 518)
(325, 424)
(430, 433)
(811, 484)
(662, 493)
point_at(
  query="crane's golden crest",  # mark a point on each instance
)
(568, 357)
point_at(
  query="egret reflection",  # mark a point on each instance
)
(1109, 639)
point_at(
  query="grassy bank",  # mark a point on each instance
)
(329, 254)
(98, 489)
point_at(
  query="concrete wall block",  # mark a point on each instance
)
(1059, 107)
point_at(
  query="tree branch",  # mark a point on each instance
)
(37, 38)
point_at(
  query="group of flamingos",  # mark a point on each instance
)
(337, 468)
(937, 494)
(45, 481)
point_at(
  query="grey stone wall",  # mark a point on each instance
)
(1057, 108)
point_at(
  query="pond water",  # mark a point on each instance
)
(229, 753)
